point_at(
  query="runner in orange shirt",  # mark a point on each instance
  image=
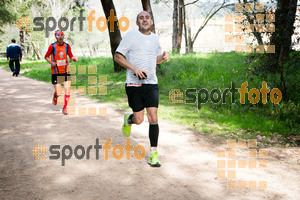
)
(60, 67)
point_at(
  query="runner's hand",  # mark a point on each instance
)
(53, 64)
(74, 59)
(165, 57)
(140, 73)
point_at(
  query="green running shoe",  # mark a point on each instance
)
(153, 160)
(126, 128)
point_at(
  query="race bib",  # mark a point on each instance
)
(61, 62)
(133, 84)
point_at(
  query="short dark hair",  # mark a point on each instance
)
(13, 41)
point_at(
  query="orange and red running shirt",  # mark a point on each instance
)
(59, 55)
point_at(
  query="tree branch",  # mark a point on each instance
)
(208, 18)
(190, 3)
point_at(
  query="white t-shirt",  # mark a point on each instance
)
(140, 50)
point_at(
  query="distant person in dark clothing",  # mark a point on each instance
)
(14, 53)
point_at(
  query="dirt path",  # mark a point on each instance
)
(189, 161)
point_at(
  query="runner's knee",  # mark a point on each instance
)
(67, 92)
(138, 119)
(152, 118)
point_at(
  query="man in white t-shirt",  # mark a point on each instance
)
(142, 50)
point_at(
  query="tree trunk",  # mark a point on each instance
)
(147, 7)
(256, 34)
(191, 47)
(285, 17)
(284, 23)
(115, 36)
(22, 43)
(188, 44)
(175, 25)
(36, 51)
(185, 31)
(95, 49)
(180, 26)
(82, 51)
(90, 49)
(250, 18)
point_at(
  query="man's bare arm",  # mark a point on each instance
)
(50, 62)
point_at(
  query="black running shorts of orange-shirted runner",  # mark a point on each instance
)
(60, 78)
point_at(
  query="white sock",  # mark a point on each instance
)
(152, 149)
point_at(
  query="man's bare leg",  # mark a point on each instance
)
(135, 118)
(57, 93)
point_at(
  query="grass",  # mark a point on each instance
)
(209, 71)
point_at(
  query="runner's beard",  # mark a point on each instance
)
(60, 40)
(145, 29)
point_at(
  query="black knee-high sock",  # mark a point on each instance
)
(153, 134)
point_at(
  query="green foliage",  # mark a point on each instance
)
(258, 67)
(292, 76)
(6, 12)
(43, 74)
(287, 111)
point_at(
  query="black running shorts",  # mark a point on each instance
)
(144, 96)
(60, 78)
